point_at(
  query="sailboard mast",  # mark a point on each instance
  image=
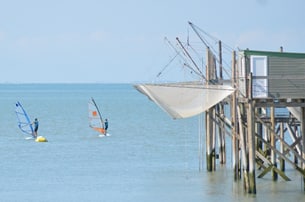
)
(24, 122)
(95, 118)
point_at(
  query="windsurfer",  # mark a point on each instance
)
(36, 124)
(106, 126)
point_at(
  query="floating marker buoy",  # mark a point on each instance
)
(41, 139)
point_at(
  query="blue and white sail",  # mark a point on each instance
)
(23, 120)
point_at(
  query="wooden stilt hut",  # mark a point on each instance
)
(272, 92)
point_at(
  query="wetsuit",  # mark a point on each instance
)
(36, 124)
(106, 125)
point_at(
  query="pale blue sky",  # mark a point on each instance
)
(123, 41)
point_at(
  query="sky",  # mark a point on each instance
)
(98, 41)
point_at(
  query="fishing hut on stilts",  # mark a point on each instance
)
(267, 106)
(266, 100)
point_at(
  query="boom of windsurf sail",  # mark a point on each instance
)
(24, 121)
(95, 119)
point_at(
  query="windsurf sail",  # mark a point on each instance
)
(24, 121)
(95, 119)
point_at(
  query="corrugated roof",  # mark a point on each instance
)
(275, 54)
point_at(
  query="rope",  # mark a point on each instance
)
(213, 38)
(163, 69)
(207, 44)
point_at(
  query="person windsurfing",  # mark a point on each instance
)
(36, 125)
(106, 126)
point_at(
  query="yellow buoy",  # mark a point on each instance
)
(41, 139)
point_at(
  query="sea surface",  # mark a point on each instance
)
(148, 157)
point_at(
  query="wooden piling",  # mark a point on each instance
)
(221, 135)
(251, 144)
(258, 131)
(210, 141)
(251, 139)
(210, 124)
(220, 111)
(243, 148)
(234, 122)
(272, 139)
(303, 138)
(296, 135)
(282, 161)
(220, 108)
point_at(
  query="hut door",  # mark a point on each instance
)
(259, 69)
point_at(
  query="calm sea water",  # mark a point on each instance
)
(148, 157)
